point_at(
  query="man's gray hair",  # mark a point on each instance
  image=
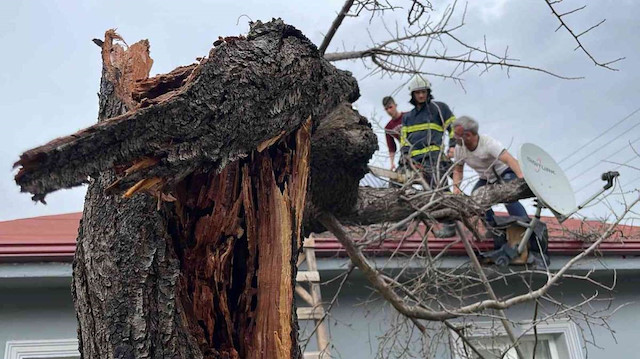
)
(467, 123)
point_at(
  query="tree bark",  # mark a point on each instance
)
(206, 268)
(246, 92)
(378, 205)
(341, 147)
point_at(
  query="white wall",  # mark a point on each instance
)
(358, 319)
(42, 309)
(36, 309)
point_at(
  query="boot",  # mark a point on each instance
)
(448, 230)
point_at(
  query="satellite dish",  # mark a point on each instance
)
(547, 180)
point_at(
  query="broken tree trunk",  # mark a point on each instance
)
(204, 267)
(237, 234)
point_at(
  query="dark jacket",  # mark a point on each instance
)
(423, 130)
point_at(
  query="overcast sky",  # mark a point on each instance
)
(51, 71)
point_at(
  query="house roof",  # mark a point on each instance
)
(46, 238)
(53, 238)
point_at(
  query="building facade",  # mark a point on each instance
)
(37, 318)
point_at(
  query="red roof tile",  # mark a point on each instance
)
(51, 238)
(40, 238)
(571, 237)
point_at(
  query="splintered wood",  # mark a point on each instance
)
(240, 234)
(129, 65)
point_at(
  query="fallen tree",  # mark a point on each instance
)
(191, 252)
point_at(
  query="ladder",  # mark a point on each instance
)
(312, 297)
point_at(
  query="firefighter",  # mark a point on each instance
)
(421, 137)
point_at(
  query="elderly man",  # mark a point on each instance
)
(486, 156)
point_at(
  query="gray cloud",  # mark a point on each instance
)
(51, 73)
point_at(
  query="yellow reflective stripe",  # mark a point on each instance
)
(423, 127)
(403, 137)
(449, 121)
(425, 150)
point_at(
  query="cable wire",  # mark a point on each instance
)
(606, 158)
(599, 148)
(600, 135)
(615, 168)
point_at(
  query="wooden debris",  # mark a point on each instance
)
(147, 184)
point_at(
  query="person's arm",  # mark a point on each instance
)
(449, 118)
(458, 173)
(506, 157)
(404, 143)
(391, 145)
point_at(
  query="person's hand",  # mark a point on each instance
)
(451, 152)
(393, 166)
(456, 190)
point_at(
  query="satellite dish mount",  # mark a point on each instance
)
(551, 187)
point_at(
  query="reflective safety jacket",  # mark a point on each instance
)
(423, 130)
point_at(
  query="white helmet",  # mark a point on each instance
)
(418, 83)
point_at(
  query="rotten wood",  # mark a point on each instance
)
(239, 235)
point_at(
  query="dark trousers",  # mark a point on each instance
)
(433, 172)
(432, 169)
(514, 208)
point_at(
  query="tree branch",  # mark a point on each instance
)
(420, 311)
(580, 46)
(371, 52)
(215, 115)
(378, 205)
(334, 26)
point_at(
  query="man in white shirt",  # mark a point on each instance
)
(486, 156)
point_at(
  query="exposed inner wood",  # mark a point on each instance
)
(239, 236)
(125, 66)
(160, 85)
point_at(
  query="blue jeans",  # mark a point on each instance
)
(514, 208)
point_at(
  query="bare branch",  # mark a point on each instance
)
(397, 55)
(419, 310)
(577, 37)
(334, 26)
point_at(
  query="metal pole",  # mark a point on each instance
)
(527, 234)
